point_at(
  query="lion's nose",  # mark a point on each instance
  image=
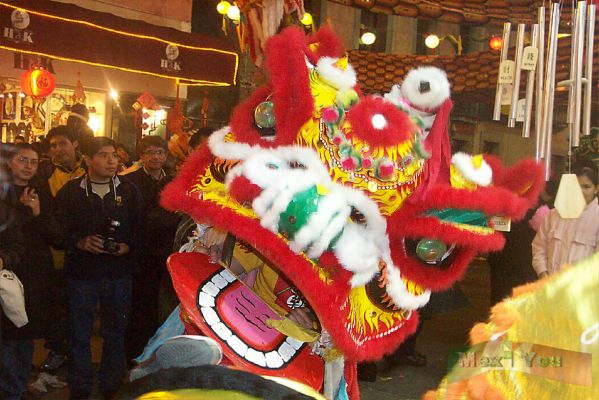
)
(424, 87)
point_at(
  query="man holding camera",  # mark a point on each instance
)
(100, 214)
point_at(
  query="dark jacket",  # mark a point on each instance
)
(34, 267)
(159, 224)
(81, 212)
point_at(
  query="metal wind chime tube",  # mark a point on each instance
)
(518, 67)
(570, 82)
(540, 73)
(588, 93)
(578, 61)
(530, 83)
(504, 51)
(550, 86)
(551, 60)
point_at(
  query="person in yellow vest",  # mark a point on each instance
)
(65, 161)
(65, 165)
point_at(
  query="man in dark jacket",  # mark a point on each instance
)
(65, 164)
(159, 231)
(101, 216)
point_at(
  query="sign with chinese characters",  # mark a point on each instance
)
(529, 58)
(506, 71)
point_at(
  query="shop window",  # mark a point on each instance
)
(60, 106)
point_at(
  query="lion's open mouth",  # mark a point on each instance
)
(238, 317)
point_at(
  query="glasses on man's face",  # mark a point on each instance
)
(26, 160)
(155, 153)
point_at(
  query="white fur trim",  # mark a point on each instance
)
(275, 199)
(439, 87)
(228, 150)
(341, 80)
(394, 96)
(481, 176)
(357, 254)
(326, 223)
(402, 298)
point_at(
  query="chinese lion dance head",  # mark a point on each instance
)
(355, 199)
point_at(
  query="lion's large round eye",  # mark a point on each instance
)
(432, 252)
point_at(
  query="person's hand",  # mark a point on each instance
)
(92, 244)
(302, 316)
(213, 237)
(30, 199)
(543, 275)
(123, 249)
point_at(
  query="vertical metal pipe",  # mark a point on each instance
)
(530, 83)
(516, 87)
(580, 27)
(540, 76)
(573, 58)
(505, 44)
(588, 94)
(550, 87)
(549, 84)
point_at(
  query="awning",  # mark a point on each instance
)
(70, 33)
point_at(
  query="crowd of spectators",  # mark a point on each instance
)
(82, 229)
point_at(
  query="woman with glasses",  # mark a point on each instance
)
(31, 217)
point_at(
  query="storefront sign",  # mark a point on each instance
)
(69, 33)
(17, 33)
(24, 62)
(171, 63)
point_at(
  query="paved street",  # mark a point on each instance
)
(440, 335)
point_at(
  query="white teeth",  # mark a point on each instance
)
(237, 345)
(296, 344)
(256, 357)
(210, 315)
(229, 277)
(211, 289)
(206, 300)
(222, 331)
(219, 281)
(274, 360)
(286, 351)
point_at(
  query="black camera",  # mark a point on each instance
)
(110, 244)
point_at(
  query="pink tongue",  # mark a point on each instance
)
(246, 314)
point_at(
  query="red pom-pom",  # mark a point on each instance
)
(337, 140)
(386, 170)
(367, 162)
(349, 164)
(243, 190)
(398, 127)
(330, 115)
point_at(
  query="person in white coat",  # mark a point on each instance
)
(562, 241)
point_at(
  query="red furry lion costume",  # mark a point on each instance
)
(356, 202)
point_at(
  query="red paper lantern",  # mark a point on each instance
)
(37, 82)
(495, 43)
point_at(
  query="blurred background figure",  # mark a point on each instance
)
(77, 122)
(562, 241)
(124, 157)
(512, 266)
(199, 137)
(158, 227)
(34, 230)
